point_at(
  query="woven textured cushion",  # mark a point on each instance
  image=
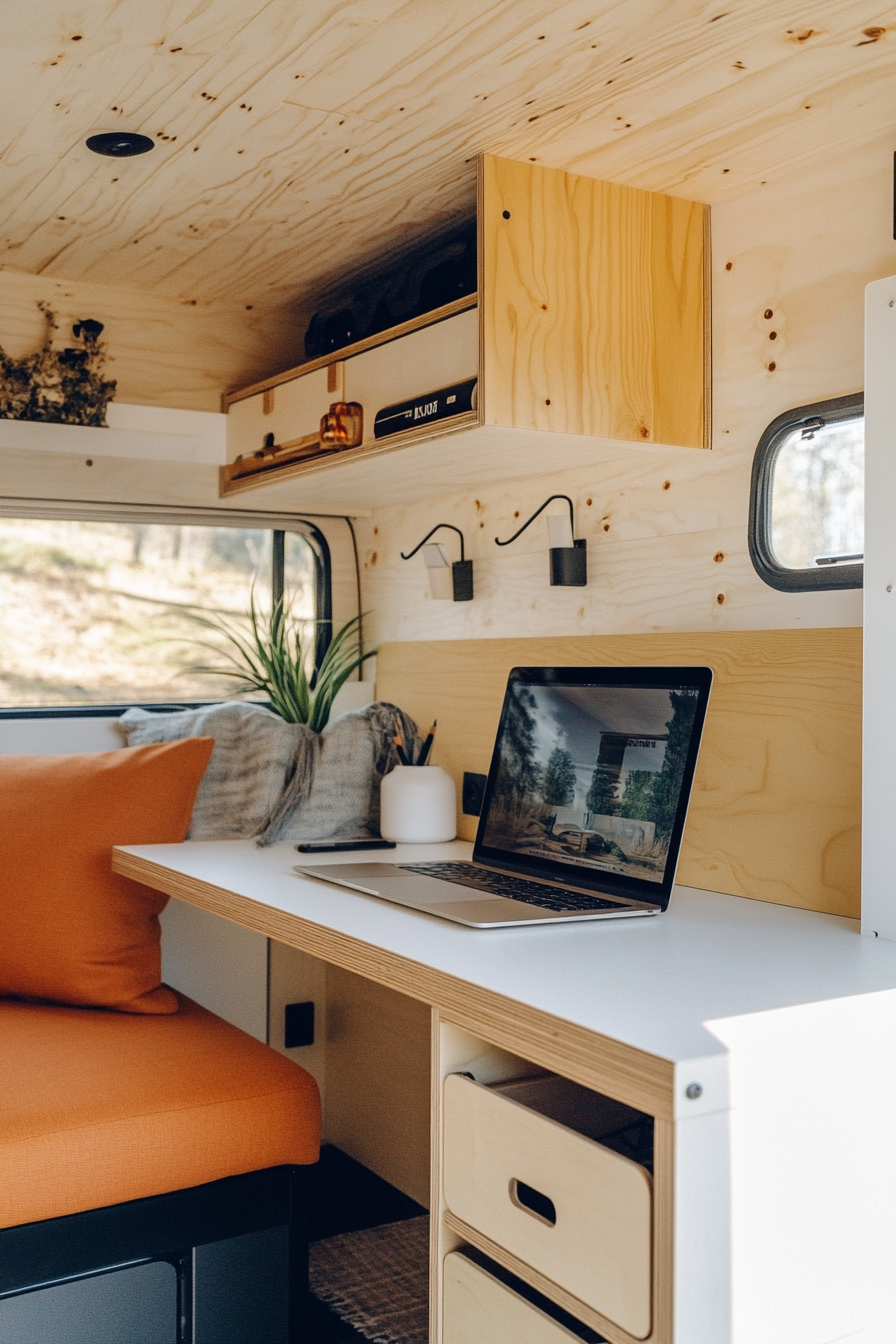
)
(72, 931)
(281, 781)
(254, 758)
(97, 1108)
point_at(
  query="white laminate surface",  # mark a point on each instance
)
(651, 983)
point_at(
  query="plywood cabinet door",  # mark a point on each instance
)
(594, 304)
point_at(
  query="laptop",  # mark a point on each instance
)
(584, 807)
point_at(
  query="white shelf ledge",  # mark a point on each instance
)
(147, 433)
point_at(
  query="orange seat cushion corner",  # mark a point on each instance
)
(98, 1107)
(71, 930)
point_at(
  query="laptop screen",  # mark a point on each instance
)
(591, 775)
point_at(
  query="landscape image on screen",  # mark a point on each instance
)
(591, 775)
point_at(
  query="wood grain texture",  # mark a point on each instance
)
(775, 812)
(633, 1076)
(294, 141)
(594, 307)
(344, 489)
(457, 1049)
(478, 1307)
(667, 528)
(162, 352)
(378, 1086)
(599, 1246)
(577, 1308)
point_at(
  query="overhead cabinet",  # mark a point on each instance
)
(590, 323)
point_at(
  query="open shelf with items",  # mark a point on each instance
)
(590, 325)
(565, 1189)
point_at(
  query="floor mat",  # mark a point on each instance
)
(377, 1280)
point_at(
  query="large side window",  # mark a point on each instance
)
(98, 609)
(807, 497)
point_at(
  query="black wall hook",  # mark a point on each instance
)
(569, 564)
(461, 570)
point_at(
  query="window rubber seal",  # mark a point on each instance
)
(759, 528)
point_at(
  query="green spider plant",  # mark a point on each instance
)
(272, 654)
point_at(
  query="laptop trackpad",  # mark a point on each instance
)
(387, 880)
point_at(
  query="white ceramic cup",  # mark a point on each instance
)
(418, 805)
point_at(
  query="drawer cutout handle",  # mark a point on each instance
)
(534, 1202)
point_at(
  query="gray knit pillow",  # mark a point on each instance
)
(253, 760)
(280, 781)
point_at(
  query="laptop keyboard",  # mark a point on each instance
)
(516, 888)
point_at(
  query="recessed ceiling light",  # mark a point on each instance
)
(120, 144)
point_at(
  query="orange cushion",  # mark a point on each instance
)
(98, 1107)
(71, 930)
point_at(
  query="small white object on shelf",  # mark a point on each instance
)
(418, 805)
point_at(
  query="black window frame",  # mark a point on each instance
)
(279, 524)
(821, 578)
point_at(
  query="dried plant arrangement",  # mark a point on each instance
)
(64, 387)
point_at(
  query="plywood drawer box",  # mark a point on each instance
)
(421, 362)
(572, 1209)
(478, 1309)
(289, 412)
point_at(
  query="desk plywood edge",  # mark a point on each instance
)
(630, 1075)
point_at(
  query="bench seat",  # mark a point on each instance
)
(99, 1107)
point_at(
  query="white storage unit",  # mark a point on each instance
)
(879, 639)
(572, 1209)
(476, 1307)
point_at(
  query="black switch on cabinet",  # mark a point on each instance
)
(298, 1026)
(473, 794)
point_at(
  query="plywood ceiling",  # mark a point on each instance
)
(295, 139)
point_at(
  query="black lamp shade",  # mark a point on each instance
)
(569, 565)
(462, 580)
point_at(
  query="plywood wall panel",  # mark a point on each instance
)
(378, 1079)
(162, 352)
(776, 807)
(659, 517)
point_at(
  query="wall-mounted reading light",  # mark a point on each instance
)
(569, 555)
(448, 581)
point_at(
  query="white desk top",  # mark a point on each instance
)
(650, 983)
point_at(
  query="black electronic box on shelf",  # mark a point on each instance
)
(424, 410)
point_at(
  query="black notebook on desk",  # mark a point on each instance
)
(584, 809)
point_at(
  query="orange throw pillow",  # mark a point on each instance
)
(71, 930)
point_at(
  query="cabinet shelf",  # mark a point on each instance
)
(589, 329)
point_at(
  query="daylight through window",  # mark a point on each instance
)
(806, 516)
(104, 612)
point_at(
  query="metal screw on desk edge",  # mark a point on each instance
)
(693, 1091)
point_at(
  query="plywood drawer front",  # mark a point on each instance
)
(299, 405)
(477, 1309)
(599, 1246)
(423, 361)
(293, 410)
(246, 426)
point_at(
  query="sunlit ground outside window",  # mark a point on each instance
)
(818, 495)
(99, 613)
